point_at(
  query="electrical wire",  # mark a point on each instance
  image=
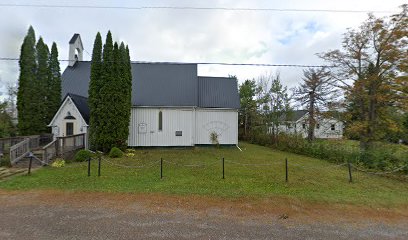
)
(241, 9)
(206, 63)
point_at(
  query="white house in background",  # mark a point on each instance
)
(171, 105)
(326, 127)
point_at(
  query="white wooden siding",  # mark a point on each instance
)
(223, 122)
(58, 124)
(144, 127)
(195, 124)
(324, 130)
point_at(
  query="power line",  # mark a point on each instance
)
(206, 63)
(195, 8)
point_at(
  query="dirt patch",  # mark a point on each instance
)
(265, 210)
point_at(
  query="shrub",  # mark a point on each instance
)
(130, 154)
(5, 162)
(382, 156)
(59, 162)
(83, 155)
(214, 138)
(130, 150)
(115, 153)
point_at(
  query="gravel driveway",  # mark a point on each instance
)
(68, 215)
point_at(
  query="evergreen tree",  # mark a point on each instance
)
(39, 98)
(110, 95)
(280, 110)
(28, 68)
(127, 88)
(314, 93)
(248, 111)
(105, 137)
(95, 86)
(39, 86)
(54, 84)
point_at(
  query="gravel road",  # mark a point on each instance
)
(54, 215)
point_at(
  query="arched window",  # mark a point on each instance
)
(160, 121)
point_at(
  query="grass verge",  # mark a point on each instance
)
(198, 171)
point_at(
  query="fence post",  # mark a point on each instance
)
(30, 163)
(89, 166)
(99, 166)
(286, 168)
(223, 169)
(350, 176)
(57, 143)
(44, 156)
(161, 168)
(63, 147)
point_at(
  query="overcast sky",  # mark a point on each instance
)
(192, 35)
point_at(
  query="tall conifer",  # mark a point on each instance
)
(110, 95)
(104, 135)
(54, 84)
(95, 86)
(28, 69)
(39, 99)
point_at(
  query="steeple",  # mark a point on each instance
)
(75, 50)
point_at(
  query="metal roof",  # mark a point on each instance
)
(162, 84)
(75, 79)
(218, 92)
(294, 116)
(82, 105)
(74, 38)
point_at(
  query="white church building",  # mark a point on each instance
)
(171, 105)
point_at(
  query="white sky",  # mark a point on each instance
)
(192, 35)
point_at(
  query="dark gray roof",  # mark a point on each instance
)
(82, 104)
(74, 38)
(162, 84)
(294, 115)
(218, 92)
(75, 79)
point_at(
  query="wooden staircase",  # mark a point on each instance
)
(36, 161)
(8, 172)
(42, 150)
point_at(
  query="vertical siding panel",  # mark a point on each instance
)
(196, 126)
(224, 122)
(173, 120)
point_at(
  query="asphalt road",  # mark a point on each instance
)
(37, 215)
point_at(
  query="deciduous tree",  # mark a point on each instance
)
(372, 67)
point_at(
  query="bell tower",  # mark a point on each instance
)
(75, 50)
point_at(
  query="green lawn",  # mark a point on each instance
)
(309, 179)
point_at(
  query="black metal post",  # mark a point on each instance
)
(223, 169)
(161, 168)
(350, 177)
(30, 163)
(286, 164)
(99, 166)
(89, 167)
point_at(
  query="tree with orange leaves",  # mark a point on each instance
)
(371, 68)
